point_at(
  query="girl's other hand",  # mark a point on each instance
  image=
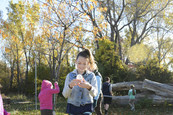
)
(74, 82)
(85, 84)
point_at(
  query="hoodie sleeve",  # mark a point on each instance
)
(67, 91)
(99, 85)
(94, 87)
(56, 90)
(6, 113)
(1, 106)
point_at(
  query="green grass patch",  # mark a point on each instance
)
(22, 105)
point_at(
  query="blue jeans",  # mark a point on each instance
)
(86, 113)
(86, 109)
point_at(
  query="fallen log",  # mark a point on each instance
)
(156, 100)
(124, 100)
(126, 85)
(160, 89)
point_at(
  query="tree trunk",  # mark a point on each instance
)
(12, 75)
(126, 85)
(159, 88)
(156, 100)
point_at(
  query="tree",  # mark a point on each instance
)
(109, 63)
(141, 15)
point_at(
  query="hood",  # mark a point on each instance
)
(46, 84)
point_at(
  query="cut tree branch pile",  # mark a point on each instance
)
(159, 93)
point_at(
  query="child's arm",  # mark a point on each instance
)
(129, 93)
(110, 89)
(99, 85)
(56, 90)
(67, 90)
(6, 113)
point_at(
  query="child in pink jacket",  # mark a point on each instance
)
(2, 110)
(45, 97)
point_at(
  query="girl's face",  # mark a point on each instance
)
(82, 64)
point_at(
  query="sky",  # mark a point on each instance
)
(3, 5)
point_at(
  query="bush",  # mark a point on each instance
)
(4, 77)
(109, 63)
(153, 72)
(43, 72)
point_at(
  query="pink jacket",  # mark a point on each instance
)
(45, 95)
(2, 110)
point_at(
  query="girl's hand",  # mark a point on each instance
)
(74, 82)
(85, 84)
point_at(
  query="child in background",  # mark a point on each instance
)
(107, 93)
(97, 105)
(2, 110)
(80, 92)
(45, 96)
(132, 93)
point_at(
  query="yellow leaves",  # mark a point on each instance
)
(67, 31)
(30, 39)
(105, 25)
(63, 15)
(77, 3)
(39, 40)
(95, 30)
(86, 19)
(91, 7)
(7, 50)
(55, 25)
(4, 35)
(44, 5)
(50, 1)
(15, 39)
(95, 2)
(101, 39)
(77, 38)
(103, 9)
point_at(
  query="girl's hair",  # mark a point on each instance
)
(132, 87)
(107, 79)
(87, 54)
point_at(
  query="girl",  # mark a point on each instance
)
(80, 92)
(45, 97)
(132, 93)
(99, 98)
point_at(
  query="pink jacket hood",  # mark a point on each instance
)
(46, 84)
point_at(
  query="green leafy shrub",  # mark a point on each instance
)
(153, 71)
(108, 61)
